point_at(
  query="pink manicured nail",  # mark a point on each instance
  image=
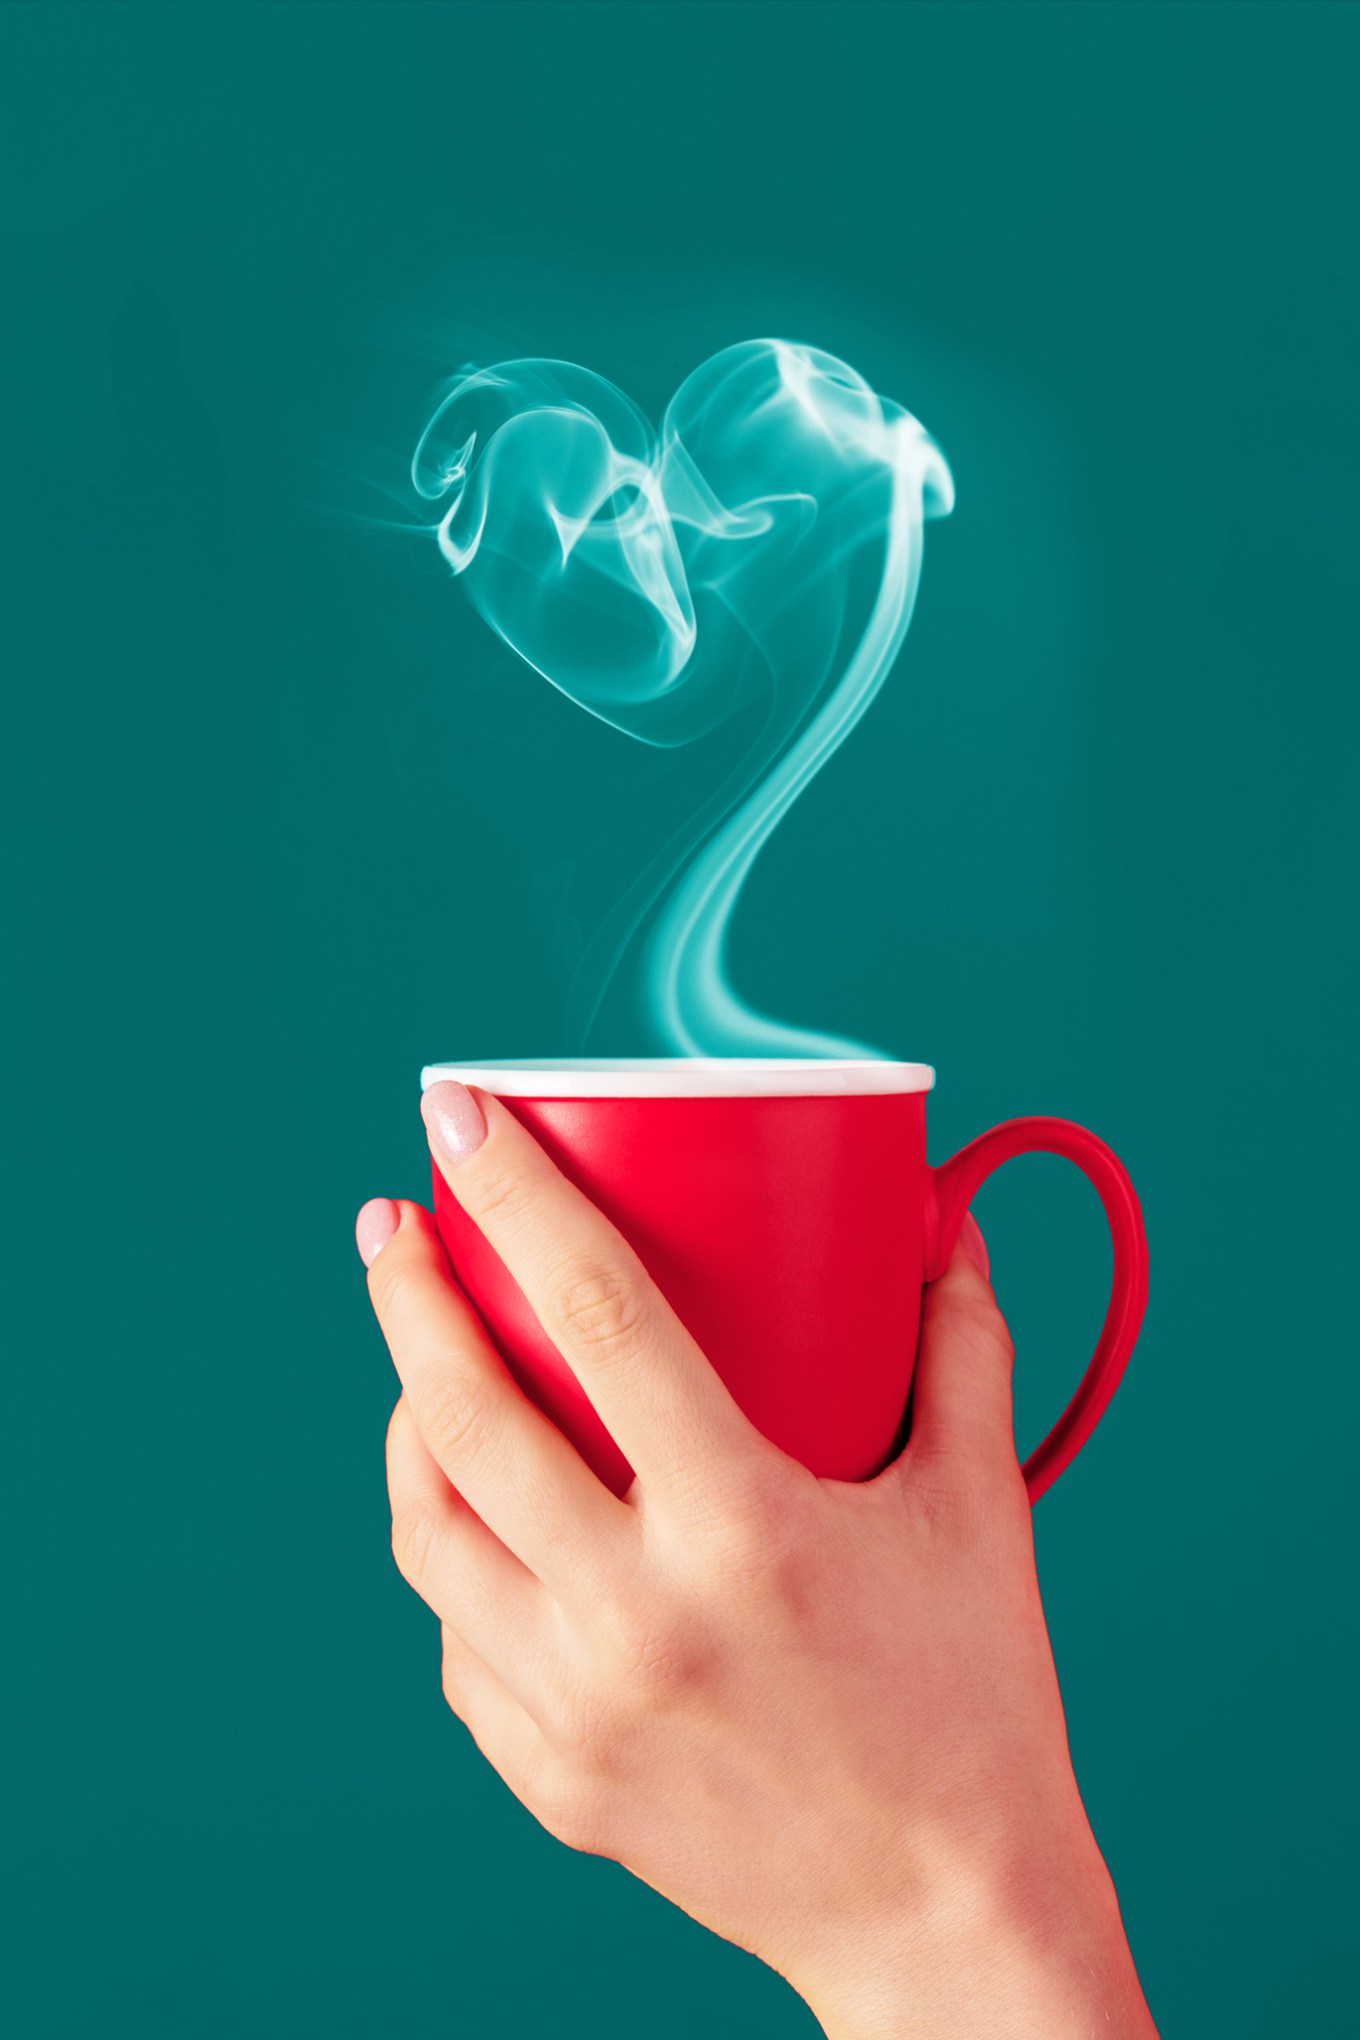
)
(973, 1244)
(374, 1227)
(453, 1119)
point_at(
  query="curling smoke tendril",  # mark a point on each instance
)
(764, 544)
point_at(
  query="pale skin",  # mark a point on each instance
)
(821, 1717)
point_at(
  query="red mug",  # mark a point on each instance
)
(787, 1211)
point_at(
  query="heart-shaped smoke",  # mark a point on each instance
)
(764, 543)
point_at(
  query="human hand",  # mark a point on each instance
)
(820, 1716)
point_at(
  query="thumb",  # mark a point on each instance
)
(961, 1398)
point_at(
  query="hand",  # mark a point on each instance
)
(821, 1716)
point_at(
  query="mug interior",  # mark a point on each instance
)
(677, 1076)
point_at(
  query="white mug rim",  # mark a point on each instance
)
(678, 1076)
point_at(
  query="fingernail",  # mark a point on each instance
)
(453, 1118)
(973, 1244)
(374, 1227)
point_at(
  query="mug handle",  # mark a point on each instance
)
(951, 1190)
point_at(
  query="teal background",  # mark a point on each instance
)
(283, 821)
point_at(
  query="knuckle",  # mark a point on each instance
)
(940, 1495)
(451, 1685)
(576, 1724)
(977, 1323)
(995, 1486)
(963, 1493)
(455, 1680)
(598, 1308)
(991, 1328)
(397, 1285)
(651, 1649)
(415, 1533)
(761, 1545)
(664, 1659)
(500, 1196)
(396, 1424)
(616, 1619)
(759, 1533)
(571, 1807)
(456, 1416)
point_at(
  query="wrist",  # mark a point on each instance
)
(1035, 1951)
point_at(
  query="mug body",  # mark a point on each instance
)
(780, 1208)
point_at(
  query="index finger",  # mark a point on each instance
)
(650, 1384)
(504, 1458)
